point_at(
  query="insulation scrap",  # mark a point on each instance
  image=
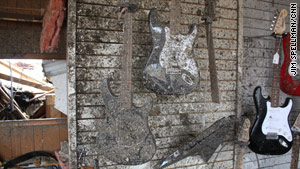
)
(63, 162)
(52, 23)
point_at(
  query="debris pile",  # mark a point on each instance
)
(24, 95)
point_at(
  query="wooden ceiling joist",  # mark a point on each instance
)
(22, 78)
(44, 56)
(18, 110)
(26, 82)
(20, 17)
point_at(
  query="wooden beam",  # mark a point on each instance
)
(26, 82)
(22, 78)
(20, 17)
(38, 96)
(34, 122)
(19, 71)
(18, 110)
(36, 11)
(44, 56)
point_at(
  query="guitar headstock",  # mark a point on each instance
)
(279, 26)
(209, 11)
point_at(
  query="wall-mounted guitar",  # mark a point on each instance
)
(124, 137)
(271, 133)
(171, 68)
(288, 84)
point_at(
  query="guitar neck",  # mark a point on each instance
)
(175, 17)
(276, 77)
(126, 74)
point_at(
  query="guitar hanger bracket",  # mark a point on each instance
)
(279, 36)
(130, 6)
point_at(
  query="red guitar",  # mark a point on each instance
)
(288, 83)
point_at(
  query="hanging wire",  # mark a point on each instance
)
(19, 82)
(11, 90)
(12, 93)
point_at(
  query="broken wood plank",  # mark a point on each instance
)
(40, 112)
(19, 71)
(18, 110)
(21, 77)
(26, 82)
(36, 97)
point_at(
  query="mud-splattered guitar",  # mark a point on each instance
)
(124, 137)
(171, 68)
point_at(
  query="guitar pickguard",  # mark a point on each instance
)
(265, 138)
(171, 68)
(276, 121)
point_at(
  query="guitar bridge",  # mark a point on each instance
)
(272, 136)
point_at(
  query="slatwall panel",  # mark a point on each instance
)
(257, 69)
(173, 119)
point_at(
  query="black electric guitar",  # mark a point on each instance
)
(271, 133)
(171, 68)
(124, 137)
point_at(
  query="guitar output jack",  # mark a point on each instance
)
(187, 79)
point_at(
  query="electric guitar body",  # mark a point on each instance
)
(171, 68)
(288, 84)
(271, 133)
(125, 137)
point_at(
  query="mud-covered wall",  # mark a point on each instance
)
(258, 69)
(98, 47)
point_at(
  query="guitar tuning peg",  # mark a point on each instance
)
(271, 29)
(272, 25)
(273, 21)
